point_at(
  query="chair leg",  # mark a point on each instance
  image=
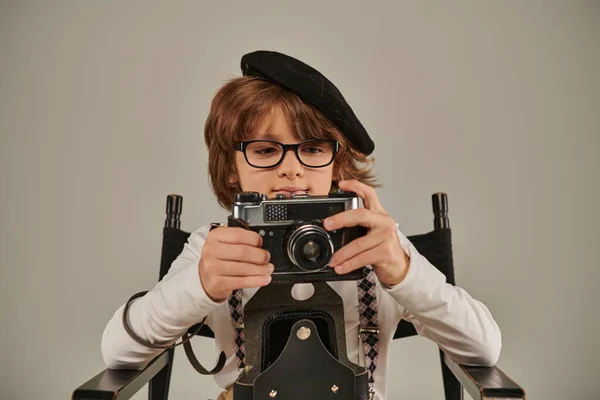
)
(158, 388)
(452, 387)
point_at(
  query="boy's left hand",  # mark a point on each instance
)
(379, 248)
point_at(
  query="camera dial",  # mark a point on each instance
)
(247, 197)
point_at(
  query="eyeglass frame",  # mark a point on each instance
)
(241, 146)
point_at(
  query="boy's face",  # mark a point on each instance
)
(290, 176)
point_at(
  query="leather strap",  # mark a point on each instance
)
(196, 364)
(143, 342)
(185, 341)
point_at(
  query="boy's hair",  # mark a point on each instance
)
(234, 114)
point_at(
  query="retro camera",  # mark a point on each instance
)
(292, 231)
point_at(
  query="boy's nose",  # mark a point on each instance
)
(290, 166)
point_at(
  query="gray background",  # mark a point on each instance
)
(102, 106)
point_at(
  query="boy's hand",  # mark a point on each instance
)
(232, 259)
(379, 248)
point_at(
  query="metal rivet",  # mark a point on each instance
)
(273, 393)
(303, 333)
(335, 388)
(261, 232)
(238, 325)
(271, 233)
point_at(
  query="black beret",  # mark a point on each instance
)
(312, 87)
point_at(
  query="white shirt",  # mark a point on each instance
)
(462, 326)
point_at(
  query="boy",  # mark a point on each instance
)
(282, 101)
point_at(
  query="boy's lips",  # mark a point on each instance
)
(289, 190)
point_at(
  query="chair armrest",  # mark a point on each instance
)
(485, 382)
(120, 384)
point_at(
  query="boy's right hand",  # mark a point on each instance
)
(232, 259)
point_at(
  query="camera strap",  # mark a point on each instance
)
(368, 332)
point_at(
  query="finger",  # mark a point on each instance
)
(234, 268)
(230, 283)
(236, 235)
(365, 192)
(356, 217)
(354, 248)
(369, 257)
(240, 252)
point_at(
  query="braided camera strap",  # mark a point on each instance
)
(369, 328)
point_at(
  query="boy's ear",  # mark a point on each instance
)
(233, 178)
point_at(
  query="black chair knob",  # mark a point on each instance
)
(440, 210)
(174, 208)
(174, 204)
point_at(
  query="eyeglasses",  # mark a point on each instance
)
(269, 153)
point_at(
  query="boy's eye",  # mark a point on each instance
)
(265, 150)
(312, 150)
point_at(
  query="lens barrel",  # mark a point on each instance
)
(310, 247)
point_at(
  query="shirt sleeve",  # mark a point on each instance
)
(163, 314)
(462, 326)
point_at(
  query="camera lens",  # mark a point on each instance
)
(309, 247)
(312, 250)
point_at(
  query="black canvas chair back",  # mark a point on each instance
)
(480, 382)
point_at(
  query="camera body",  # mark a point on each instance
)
(293, 233)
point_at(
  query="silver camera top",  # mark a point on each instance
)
(257, 209)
